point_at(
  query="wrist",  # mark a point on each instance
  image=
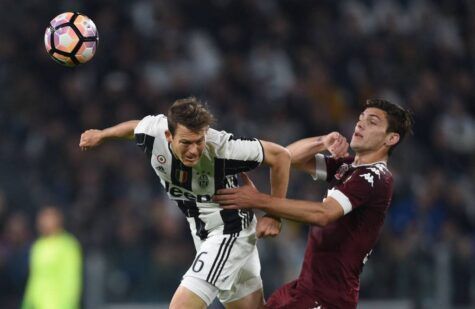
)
(273, 217)
(319, 144)
(102, 135)
(263, 201)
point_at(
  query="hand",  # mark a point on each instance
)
(90, 138)
(336, 144)
(268, 226)
(241, 197)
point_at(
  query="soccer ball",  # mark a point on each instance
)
(71, 39)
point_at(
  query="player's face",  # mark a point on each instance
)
(187, 145)
(370, 131)
(49, 221)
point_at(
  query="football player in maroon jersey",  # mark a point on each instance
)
(348, 222)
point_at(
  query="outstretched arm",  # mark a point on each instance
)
(247, 196)
(93, 138)
(303, 151)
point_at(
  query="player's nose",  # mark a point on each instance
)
(359, 124)
(193, 149)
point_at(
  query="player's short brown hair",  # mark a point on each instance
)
(400, 120)
(190, 113)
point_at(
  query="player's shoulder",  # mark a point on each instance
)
(158, 119)
(217, 138)
(374, 174)
(152, 125)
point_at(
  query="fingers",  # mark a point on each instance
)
(267, 232)
(83, 141)
(88, 139)
(259, 233)
(232, 206)
(339, 147)
(267, 227)
(333, 136)
(227, 191)
(225, 199)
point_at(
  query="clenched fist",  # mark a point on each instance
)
(90, 138)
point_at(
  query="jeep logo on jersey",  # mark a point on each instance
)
(178, 193)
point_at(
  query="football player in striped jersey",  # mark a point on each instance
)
(193, 161)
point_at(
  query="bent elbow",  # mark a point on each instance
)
(281, 158)
(320, 219)
(285, 156)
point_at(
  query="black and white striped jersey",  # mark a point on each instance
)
(192, 188)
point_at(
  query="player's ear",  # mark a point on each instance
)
(168, 136)
(392, 139)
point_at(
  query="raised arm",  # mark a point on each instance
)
(278, 159)
(93, 138)
(303, 151)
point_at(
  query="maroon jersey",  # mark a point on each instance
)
(335, 254)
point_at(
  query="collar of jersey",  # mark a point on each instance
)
(171, 151)
(368, 164)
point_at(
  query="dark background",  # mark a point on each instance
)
(277, 70)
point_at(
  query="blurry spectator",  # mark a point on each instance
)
(55, 266)
(14, 247)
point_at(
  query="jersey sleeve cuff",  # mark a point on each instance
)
(263, 153)
(320, 167)
(342, 199)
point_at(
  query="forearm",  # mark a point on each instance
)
(303, 151)
(296, 210)
(278, 159)
(279, 176)
(124, 130)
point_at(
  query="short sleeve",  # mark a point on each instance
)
(356, 191)
(151, 125)
(320, 167)
(326, 166)
(240, 154)
(148, 129)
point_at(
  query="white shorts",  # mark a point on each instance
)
(226, 266)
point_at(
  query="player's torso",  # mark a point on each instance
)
(340, 249)
(182, 183)
(361, 226)
(193, 188)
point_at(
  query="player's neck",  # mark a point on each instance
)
(370, 157)
(53, 232)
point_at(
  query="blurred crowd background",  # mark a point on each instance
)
(278, 70)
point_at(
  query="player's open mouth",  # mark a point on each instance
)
(356, 134)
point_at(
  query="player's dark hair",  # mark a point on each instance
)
(190, 113)
(400, 120)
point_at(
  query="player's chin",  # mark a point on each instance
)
(190, 163)
(355, 145)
